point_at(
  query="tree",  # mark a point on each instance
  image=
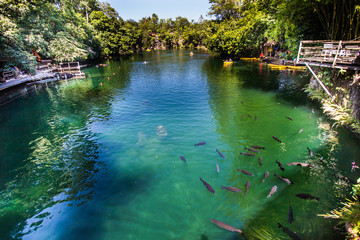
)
(225, 9)
(66, 48)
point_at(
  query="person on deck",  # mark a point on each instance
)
(261, 55)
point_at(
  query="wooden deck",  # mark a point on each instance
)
(333, 54)
(73, 68)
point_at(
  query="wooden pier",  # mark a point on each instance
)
(333, 54)
(73, 68)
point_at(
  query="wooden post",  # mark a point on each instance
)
(337, 53)
(316, 77)
(298, 56)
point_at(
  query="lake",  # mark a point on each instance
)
(99, 158)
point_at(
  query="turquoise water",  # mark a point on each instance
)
(83, 160)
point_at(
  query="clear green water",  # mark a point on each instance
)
(76, 165)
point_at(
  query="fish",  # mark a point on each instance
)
(242, 116)
(272, 191)
(182, 158)
(260, 161)
(225, 226)
(247, 186)
(310, 152)
(232, 189)
(208, 186)
(246, 172)
(280, 165)
(290, 214)
(217, 167)
(252, 150)
(300, 164)
(265, 176)
(248, 154)
(255, 118)
(288, 181)
(300, 131)
(291, 234)
(258, 147)
(200, 143)
(221, 155)
(290, 118)
(306, 196)
(276, 139)
(249, 116)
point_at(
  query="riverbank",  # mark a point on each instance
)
(15, 88)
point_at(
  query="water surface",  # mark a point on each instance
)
(83, 160)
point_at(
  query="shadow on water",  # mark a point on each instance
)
(54, 158)
(287, 85)
(237, 88)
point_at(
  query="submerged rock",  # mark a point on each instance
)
(161, 131)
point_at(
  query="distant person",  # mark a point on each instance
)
(16, 71)
(261, 55)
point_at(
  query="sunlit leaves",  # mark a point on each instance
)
(65, 48)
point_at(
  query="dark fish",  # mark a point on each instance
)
(246, 172)
(232, 189)
(248, 154)
(242, 116)
(276, 139)
(272, 191)
(260, 161)
(290, 118)
(200, 143)
(310, 152)
(249, 116)
(265, 176)
(247, 186)
(252, 150)
(258, 147)
(221, 155)
(284, 179)
(182, 158)
(300, 164)
(291, 234)
(306, 196)
(255, 118)
(225, 226)
(290, 214)
(280, 165)
(208, 186)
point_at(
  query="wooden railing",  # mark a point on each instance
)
(332, 53)
(73, 68)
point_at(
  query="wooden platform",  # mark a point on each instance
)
(333, 54)
(73, 68)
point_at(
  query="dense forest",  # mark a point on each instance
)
(67, 30)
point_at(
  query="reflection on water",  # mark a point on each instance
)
(99, 158)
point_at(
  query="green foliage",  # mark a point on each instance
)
(64, 48)
(341, 114)
(239, 38)
(349, 214)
